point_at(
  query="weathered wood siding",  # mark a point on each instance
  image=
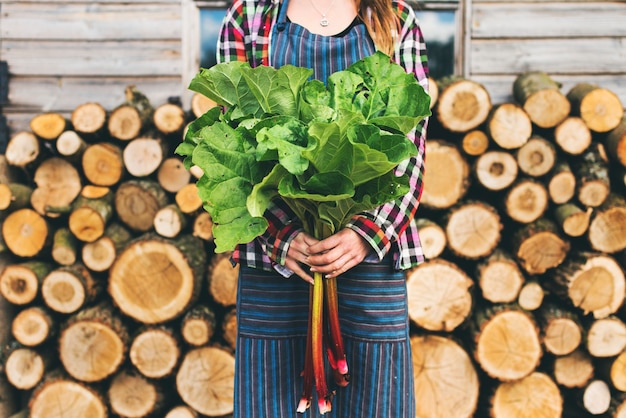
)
(64, 53)
(573, 41)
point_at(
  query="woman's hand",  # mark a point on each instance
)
(298, 253)
(338, 253)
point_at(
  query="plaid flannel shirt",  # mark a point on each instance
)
(246, 36)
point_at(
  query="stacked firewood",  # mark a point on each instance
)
(120, 307)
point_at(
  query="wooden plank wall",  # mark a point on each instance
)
(573, 41)
(64, 53)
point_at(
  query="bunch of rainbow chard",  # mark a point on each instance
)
(328, 151)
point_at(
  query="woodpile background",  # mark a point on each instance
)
(114, 304)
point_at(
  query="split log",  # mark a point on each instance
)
(23, 150)
(592, 173)
(130, 118)
(64, 247)
(20, 283)
(600, 108)
(229, 328)
(531, 296)
(561, 329)
(495, 170)
(102, 164)
(169, 118)
(181, 411)
(169, 221)
(57, 391)
(142, 156)
(509, 126)
(25, 233)
(172, 175)
(561, 183)
(71, 146)
(155, 351)
(541, 97)
(526, 200)
(499, 278)
(606, 337)
(536, 157)
(574, 370)
(137, 201)
(475, 142)
(200, 104)
(203, 226)
(198, 325)
(93, 343)
(462, 105)
(99, 255)
(187, 199)
(592, 282)
(447, 179)
(132, 395)
(25, 367)
(48, 125)
(615, 143)
(507, 345)
(535, 395)
(89, 118)
(33, 326)
(58, 184)
(433, 238)
(446, 382)
(205, 380)
(538, 246)
(154, 280)
(439, 295)
(473, 229)
(91, 212)
(607, 230)
(574, 222)
(222, 278)
(70, 288)
(572, 135)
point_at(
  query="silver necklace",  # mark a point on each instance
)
(323, 20)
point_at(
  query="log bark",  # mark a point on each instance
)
(64, 247)
(99, 255)
(205, 380)
(536, 157)
(462, 105)
(58, 184)
(20, 282)
(143, 155)
(600, 108)
(574, 370)
(33, 326)
(561, 183)
(154, 280)
(507, 345)
(534, 396)
(447, 178)
(539, 247)
(132, 395)
(198, 325)
(615, 143)
(48, 126)
(137, 201)
(592, 173)
(70, 288)
(433, 238)
(495, 170)
(526, 200)
(53, 396)
(102, 164)
(541, 97)
(473, 229)
(499, 278)
(155, 351)
(572, 136)
(172, 175)
(90, 215)
(22, 150)
(509, 126)
(93, 343)
(439, 295)
(130, 118)
(222, 279)
(89, 118)
(607, 232)
(446, 382)
(14, 196)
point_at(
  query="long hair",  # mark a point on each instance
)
(381, 21)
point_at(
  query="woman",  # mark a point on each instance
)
(368, 256)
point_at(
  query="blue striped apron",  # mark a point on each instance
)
(272, 313)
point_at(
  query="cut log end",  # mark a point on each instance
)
(132, 395)
(496, 170)
(473, 230)
(446, 179)
(89, 118)
(463, 105)
(574, 370)
(534, 396)
(52, 395)
(48, 125)
(155, 353)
